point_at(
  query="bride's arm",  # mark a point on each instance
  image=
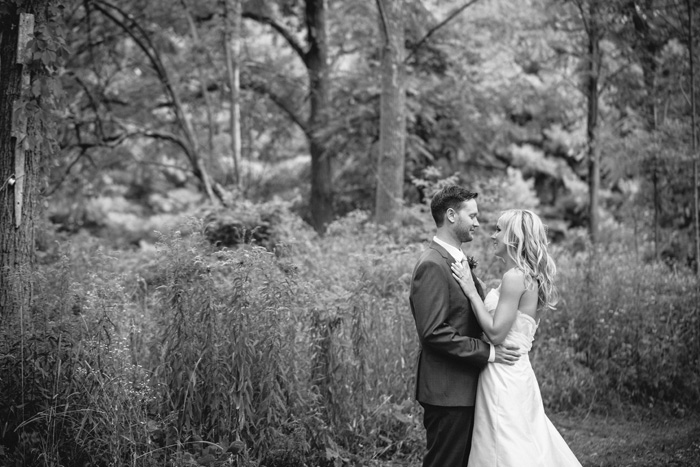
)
(497, 326)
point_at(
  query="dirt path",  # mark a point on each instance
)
(646, 441)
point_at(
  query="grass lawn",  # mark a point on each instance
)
(642, 440)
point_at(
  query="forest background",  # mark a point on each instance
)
(211, 211)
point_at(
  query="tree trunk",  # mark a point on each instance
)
(321, 202)
(315, 57)
(144, 42)
(592, 120)
(232, 47)
(648, 47)
(696, 208)
(19, 164)
(202, 79)
(392, 126)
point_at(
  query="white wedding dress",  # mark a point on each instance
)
(510, 426)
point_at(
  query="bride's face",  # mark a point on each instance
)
(498, 241)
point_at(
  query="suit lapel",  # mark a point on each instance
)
(450, 259)
(437, 247)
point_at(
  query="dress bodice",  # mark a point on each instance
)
(510, 426)
(522, 333)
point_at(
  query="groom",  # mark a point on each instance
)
(452, 353)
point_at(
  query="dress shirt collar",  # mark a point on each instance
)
(456, 253)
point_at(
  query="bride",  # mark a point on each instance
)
(510, 426)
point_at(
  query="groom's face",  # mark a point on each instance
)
(464, 220)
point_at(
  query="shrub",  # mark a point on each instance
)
(70, 393)
(626, 331)
(302, 351)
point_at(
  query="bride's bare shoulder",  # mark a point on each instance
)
(513, 279)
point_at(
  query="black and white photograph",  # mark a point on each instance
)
(349, 233)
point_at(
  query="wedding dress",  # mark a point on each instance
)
(510, 426)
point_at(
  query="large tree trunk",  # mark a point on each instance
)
(315, 57)
(392, 126)
(592, 120)
(648, 46)
(321, 202)
(19, 166)
(696, 208)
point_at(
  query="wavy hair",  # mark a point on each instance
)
(526, 242)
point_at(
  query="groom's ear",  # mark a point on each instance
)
(450, 215)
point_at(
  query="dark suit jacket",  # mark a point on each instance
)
(452, 354)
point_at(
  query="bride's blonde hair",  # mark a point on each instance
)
(526, 242)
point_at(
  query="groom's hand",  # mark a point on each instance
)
(507, 355)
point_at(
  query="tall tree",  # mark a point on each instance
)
(203, 85)
(590, 15)
(314, 56)
(647, 44)
(185, 136)
(29, 49)
(694, 142)
(232, 49)
(392, 126)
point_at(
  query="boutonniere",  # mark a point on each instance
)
(472, 262)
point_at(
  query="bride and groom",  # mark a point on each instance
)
(482, 404)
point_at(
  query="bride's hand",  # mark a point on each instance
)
(464, 278)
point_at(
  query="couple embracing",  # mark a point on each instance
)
(482, 404)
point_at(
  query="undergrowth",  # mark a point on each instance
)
(301, 353)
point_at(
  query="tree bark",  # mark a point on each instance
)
(315, 58)
(696, 207)
(202, 78)
(19, 169)
(392, 126)
(648, 47)
(592, 92)
(321, 202)
(232, 47)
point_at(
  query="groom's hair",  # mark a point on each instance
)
(448, 197)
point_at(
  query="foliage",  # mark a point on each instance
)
(71, 393)
(226, 327)
(246, 338)
(495, 88)
(46, 51)
(626, 330)
(306, 351)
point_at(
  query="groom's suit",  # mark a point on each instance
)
(451, 357)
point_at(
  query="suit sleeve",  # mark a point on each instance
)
(430, 297)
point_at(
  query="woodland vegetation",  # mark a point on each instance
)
(211, 211)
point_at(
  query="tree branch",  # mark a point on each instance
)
(288, 106)
(382, 17)
(288, 36)
(143, 41)
(260, 88)
(437, 27)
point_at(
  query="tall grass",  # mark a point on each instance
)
(626, 331)
(71, 394)
(302, 354)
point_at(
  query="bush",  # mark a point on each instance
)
(303, 351)
(70, 393)
(225, 327)
(625, 330)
